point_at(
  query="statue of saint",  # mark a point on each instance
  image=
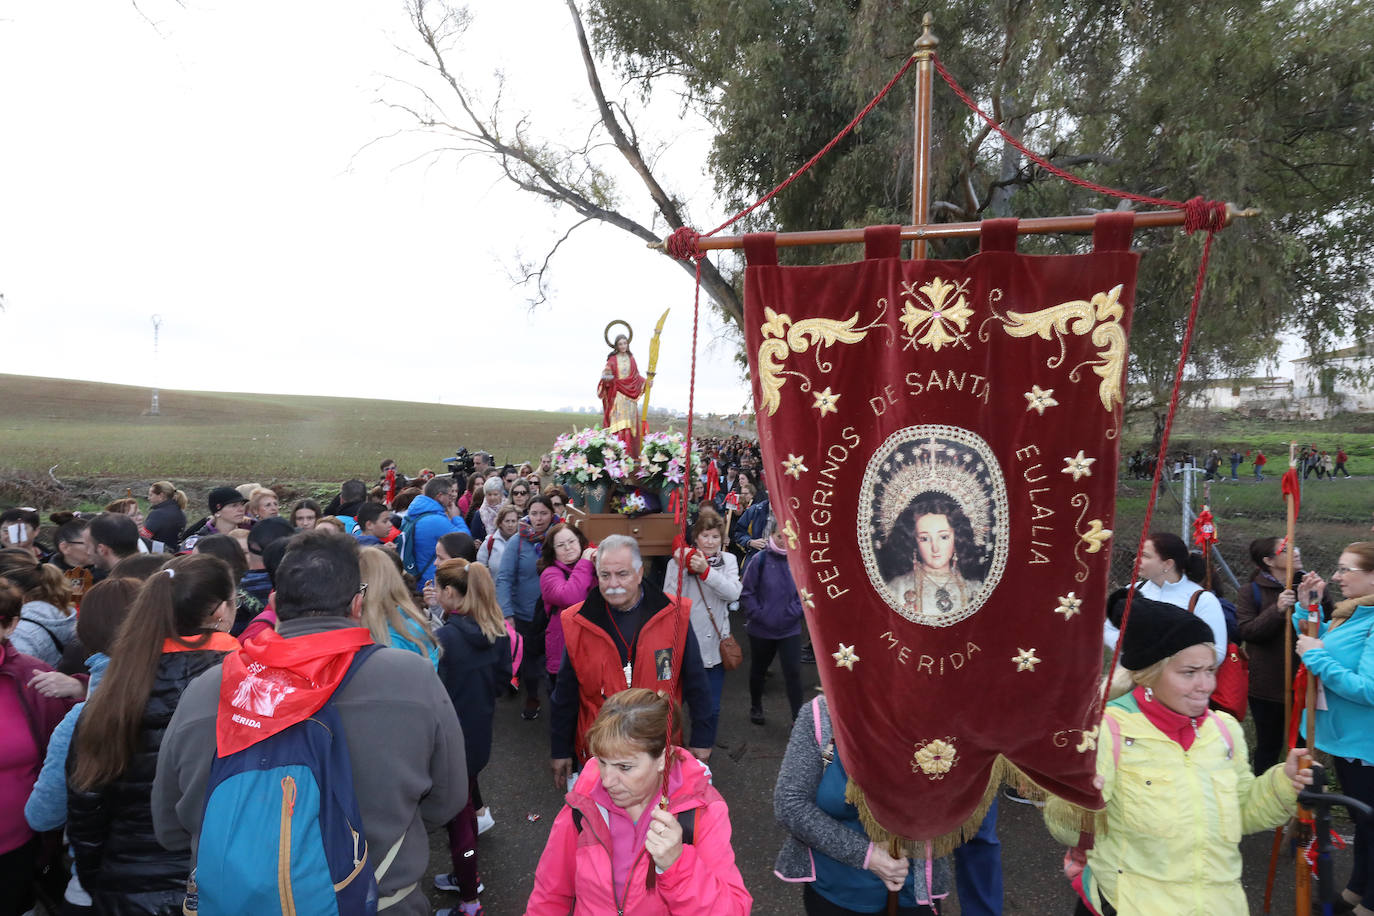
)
(620, 388)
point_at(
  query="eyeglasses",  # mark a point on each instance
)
(519, 492)
(362, 589)
(1341, 570)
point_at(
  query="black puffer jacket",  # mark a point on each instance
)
(118, 858)
(164, 523)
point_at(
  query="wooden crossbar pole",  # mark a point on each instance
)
(1045, 225)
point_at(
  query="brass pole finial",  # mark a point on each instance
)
(927, 43)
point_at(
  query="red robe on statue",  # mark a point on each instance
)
(620, 398)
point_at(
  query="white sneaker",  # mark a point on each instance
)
(447, 882)
(485, 822)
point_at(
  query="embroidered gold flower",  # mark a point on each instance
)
(943, 321)
(1069, 605)
(795, 466)
(1037, 399)
(825, 402)
(936, 758)
(1078, 466)
(789, 531)
(846, 657)
(1096, 535)
(1025, 660)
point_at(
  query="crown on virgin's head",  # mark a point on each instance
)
(933, 466)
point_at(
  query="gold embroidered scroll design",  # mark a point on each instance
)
(1099, 317)
(782, 337)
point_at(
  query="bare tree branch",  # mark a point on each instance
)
(565, 176)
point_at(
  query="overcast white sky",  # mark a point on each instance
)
(198, 162)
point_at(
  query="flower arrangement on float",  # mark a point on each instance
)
(589, 456)
(660, 461)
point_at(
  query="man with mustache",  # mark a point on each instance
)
(627, 633)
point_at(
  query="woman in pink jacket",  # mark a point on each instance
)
(566, 576)
(612, 850)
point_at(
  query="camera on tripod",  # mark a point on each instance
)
(461, 464)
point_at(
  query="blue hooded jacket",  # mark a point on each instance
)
(431, 523)
(46, 808)
(517, 581)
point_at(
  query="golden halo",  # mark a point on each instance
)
(629, 333)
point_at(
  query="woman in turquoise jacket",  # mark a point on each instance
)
(1341, 655)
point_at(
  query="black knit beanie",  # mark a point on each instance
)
(1156, 630)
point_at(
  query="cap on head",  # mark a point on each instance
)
(224, 496)
(1157, 630)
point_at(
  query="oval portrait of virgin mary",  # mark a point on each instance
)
(933, 523)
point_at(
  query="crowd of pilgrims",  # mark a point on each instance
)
(129, 638)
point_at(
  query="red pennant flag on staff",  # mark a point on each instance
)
(940, 442)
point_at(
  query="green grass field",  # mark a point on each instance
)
(102, 442)
(90, 429)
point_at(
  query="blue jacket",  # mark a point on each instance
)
(752, 523)
(1345, 664)
(772, 608)
(517, 581)
(46, 808)
(432, 522)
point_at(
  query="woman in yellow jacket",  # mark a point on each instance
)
(1176, 780)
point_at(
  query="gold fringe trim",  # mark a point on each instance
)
(1075, 818)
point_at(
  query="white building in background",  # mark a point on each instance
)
(1335, 382)
(1237, 393)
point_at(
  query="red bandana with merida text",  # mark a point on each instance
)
(273, 683)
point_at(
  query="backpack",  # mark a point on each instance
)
(407, 539)
(281, 831)
(687, 820)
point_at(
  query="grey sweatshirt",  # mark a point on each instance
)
(404, 739)
(40, 623)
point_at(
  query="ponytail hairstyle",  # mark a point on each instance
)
(168, 489)
(39, 581)
(1169, 546)
(473, 581)
(174, 604)
(387, 600)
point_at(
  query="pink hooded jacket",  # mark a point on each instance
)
(575, 875)
(562, 586)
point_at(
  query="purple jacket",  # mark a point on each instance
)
(27, 719)
(561, 587)
(772, 607)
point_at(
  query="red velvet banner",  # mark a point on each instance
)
(940, 445)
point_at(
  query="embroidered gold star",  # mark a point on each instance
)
(794, 465)
(1025, 660)
(1037, 399)
(1069, 605)
(1078, 466)
(806, 598)
(1089, 741)
(845, 658)
(825, 402)
(1096, 535)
